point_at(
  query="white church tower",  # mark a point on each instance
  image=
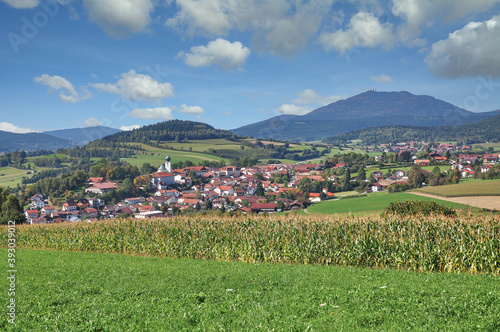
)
(167, 167)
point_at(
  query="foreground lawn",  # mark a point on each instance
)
(372, 203)
(64, 291)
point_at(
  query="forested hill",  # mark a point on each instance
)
(31, 142)
(177, 130)
(482, 131)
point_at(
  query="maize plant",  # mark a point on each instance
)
(418, 243)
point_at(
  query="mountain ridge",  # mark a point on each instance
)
(367, 109)
(31, 142)
(487, 130)
(82, 136)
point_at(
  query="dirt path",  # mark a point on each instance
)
(486, 202)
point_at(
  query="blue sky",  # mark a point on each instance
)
(128, 63)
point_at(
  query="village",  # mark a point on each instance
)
(259, 189)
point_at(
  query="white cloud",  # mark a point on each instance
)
(92, 122)
(120, 17)
(279, 26)
(363, 30)
(382, 78)
(294, 109)
(420, 13)
(191, 109)
(209, 17)
(128, 128)
(309, 96)
(221, 52)
(164, 113)
(6, 126)
(56, 83)
(470, 51)
(415, 12)
(136, 86)
(22, 4)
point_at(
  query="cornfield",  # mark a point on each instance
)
(417, 243)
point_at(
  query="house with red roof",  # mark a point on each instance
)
(263, 207)
(30, 214)
(165, 177)
(486, 168)
(102, 188)
(224, 190)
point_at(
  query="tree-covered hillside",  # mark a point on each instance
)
(177, 130)
(482, 131)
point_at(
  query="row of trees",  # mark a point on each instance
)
(10, 208)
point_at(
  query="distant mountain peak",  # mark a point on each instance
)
(367, 109)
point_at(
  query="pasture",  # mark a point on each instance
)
(372, 203)
(472, 188)
(11, 177)
(67, 291)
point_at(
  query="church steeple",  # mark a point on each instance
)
(168, 164)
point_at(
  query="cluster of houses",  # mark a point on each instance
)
(228, 188)
(41, 211)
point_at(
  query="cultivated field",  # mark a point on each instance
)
(477, 188)
(425, 243)
(68, 291)
(483, 202)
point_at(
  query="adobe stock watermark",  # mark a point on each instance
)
(31, 26)
(483, 91)
(11, 272)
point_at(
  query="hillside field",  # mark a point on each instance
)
(476, 188)
(372, 203)
(159, 157)
(11, 177)
(68, 291)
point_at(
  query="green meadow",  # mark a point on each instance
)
(73, 291)
(372, 203)
(471, 188)
(11, 177)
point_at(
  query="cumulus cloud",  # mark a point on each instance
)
(220, 52)
(420, 13)
(209, 17)
(363, 30)
(382, 79)
(7, 126)
(309, 96)
(470, 51)
(22, 4)
(56, 83)
(164, 113)
(191, 109)
(120, 17)
(136, 86)
(292, 109)
(128, 128)
(280, 27)
(92, 122)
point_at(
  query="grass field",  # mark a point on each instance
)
(204, 145)
(372, 203)
(69, 291)
(11, 177)
(159, 157)
(476, 188)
